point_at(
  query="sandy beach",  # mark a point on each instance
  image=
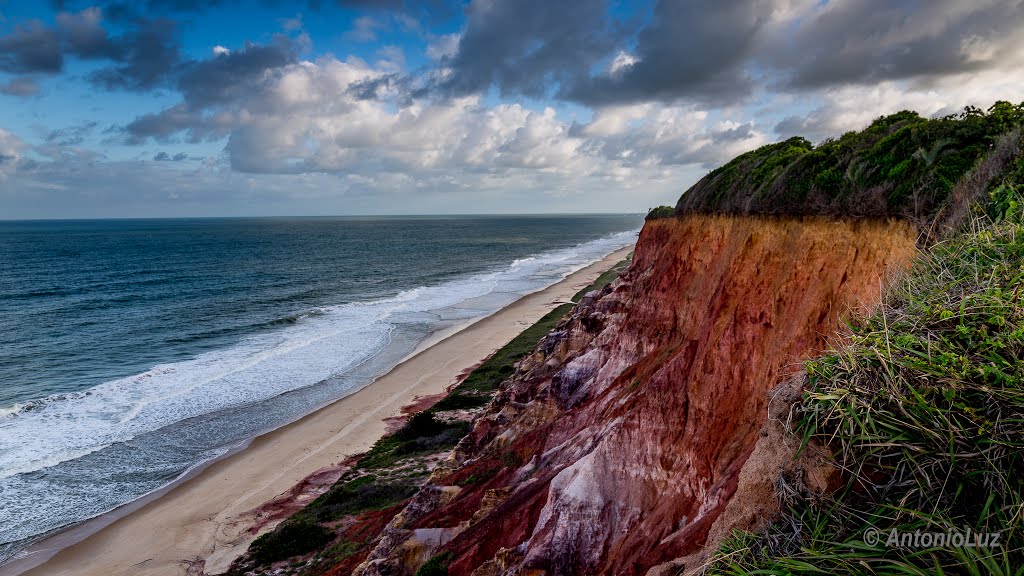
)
(203, 522)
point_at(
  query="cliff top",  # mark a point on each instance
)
(901, 165)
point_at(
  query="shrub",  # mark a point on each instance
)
(360, 495)
(660, 212)
(901, 165)
(290, 538)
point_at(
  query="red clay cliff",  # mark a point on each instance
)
(618, 444)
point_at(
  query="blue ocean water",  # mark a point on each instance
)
(133, 350)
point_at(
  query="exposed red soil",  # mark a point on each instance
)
(623, 440)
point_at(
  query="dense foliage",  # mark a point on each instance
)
(660, 212)
(923, 410)
(291, 538)
(901, 165)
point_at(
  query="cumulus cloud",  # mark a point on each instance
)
(72, 135)
(667, 92)
(218, 79)
(724, 51)
(527, 46)
(29, 48)
(694, 50)
(364, 29)
(443, 47)
(149, 53)
(852, 107)
(838, 43)
(142, 57)
(307, 117)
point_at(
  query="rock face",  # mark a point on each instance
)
(618, 444)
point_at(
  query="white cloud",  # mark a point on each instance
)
(306, 119)
(10, 153)
(443, 46)
(364, 29)
(853, 107)
(219, 50)
(620, 63)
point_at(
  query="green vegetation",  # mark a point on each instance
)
(605, 278)
(660, 212)
(292, 537)
(422, 434)
(356, 496)
(923, 410)
(477, 388)
(303, 532)
(436, 566)
(901, 165)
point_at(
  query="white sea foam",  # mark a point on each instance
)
(318, 346)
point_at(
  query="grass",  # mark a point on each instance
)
(423, 434)
(923, 410)
(901, 165)
(291, 538)
(478, 386)
(356, 496)
(304, 533)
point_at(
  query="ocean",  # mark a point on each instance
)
(132, 351)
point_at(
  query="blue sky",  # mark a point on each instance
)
(153, 108)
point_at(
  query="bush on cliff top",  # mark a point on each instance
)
(660, 212)
(901, 165)
(923, 409)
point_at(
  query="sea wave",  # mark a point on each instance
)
(292, 353)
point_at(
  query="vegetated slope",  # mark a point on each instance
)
(924, 410)
(620, 441)
(901, 165)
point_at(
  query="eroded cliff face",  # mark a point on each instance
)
(617, 445)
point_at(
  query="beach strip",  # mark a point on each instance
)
(203, 522)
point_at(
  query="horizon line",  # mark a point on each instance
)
(296, 216)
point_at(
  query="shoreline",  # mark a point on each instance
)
(202, 520)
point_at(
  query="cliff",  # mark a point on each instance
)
(622, 439)
(658, 414)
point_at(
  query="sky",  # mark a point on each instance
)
(170, 108)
